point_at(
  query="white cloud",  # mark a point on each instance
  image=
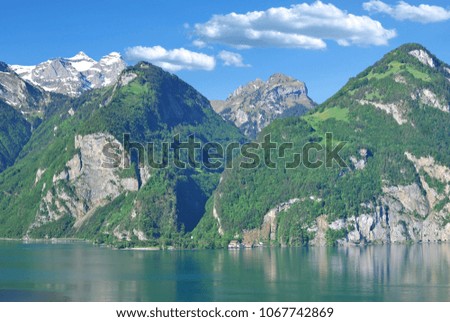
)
(172, 60)
(198, 43)
(232, 59)
(299, 26)
(404, 11)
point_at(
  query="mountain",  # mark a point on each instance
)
(79, 177)
(75, 75)
(22, 106)
(369, 165)
(391, 128)
(255, 105)
(21, 95)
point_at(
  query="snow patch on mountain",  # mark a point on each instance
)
(82, 62)
(75, 75)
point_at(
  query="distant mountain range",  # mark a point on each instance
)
(255, 105)
(75, 75)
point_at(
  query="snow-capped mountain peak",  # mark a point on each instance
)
(80, 55)
(72, 76)
(81, 62)
(23, 71)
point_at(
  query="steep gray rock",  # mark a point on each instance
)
(73, 76)
(106, 71)
(20, 94)
(85, 184)
(253, 106)
(402, 214)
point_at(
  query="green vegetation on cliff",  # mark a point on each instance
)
(382, 113)
(14, 133)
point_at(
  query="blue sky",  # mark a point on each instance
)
(321, 43)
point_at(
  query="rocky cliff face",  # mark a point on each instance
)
(85, 184)
(20, 94)
(253, 106)
(403, 214)
(413, 213)
(75, 75)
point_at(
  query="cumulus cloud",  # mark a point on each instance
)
(404, 11)
(171, 60)
(232, 59)
(299, 26)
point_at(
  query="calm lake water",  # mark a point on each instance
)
(82, 272)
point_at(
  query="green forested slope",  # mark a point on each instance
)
(397, 82)
(14, 133)
(151, 106)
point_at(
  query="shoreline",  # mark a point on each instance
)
(46, 240)
(235, 248)
(148, 249)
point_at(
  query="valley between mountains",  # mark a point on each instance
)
(392, 121)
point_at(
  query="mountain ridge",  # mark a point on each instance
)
(75, 75)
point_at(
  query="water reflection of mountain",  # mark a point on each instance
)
(80, 272)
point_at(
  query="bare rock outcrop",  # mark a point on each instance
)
(423, 57)
(86, 183)
(268, 230)
(20, 94)
(397, 110)
(255, 105)
(409, 213)
(75, 75)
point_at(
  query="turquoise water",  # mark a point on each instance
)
(82, 272)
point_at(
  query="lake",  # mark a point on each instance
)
(83, 272)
